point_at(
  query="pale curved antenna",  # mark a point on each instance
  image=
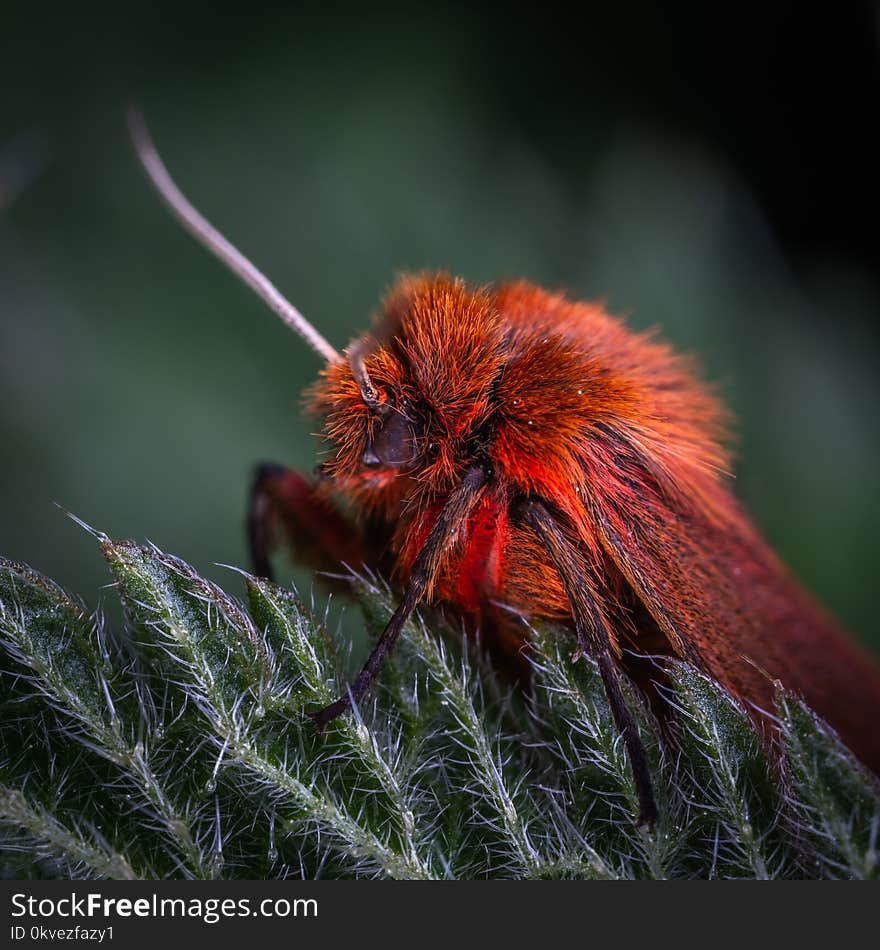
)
(207, 235)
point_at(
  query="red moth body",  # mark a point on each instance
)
(614, 434)
(511, 454)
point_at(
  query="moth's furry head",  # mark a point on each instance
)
(540, 388)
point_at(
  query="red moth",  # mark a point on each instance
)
(509, 452)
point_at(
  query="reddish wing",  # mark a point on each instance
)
(723, 599)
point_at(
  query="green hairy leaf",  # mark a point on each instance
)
(180, 746)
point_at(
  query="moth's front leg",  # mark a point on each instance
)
(450, 522)
(287, 506)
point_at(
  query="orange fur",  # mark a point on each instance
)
(615, 434)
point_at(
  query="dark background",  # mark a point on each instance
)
(708, 169)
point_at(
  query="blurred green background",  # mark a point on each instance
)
(712, 176)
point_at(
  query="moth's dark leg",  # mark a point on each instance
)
(383, 648)
(593, 637)
(424, 570)
(624, 721)
(284, 505)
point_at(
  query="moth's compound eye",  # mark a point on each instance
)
(393, 443)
